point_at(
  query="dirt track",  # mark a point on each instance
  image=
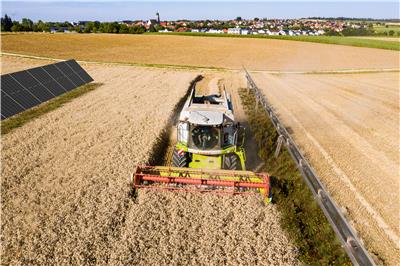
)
(64, 194)
(348, 126)
(214, 83)
(231, 53)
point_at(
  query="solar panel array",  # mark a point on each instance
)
(25, 89)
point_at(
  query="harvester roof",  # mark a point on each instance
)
(211, 118)
(207, 110)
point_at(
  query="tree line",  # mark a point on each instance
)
(27, 25)
(351, 32)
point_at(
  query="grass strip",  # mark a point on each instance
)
(340, 40)
(20, 119)
(301, 217)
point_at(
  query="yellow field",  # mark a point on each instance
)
(337, 120)
(69, 204)
(231, 53)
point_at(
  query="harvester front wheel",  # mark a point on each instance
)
(179, 160)
(231, 162)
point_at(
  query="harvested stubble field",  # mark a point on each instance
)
(231, 53)
(65, 195)
(348, 126)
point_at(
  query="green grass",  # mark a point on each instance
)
(302, 218)
(358, 42)
(20, 119)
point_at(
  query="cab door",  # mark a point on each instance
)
(228, 136)
(183, 133)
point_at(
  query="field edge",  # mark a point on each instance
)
(302, 218)
(336, 40)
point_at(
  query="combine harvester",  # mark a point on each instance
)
(209, 154)
(209, 157)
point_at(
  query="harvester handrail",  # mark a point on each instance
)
(352, 245)
(201, 171)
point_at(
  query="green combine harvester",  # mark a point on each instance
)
(209, 154)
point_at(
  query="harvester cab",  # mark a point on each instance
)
(209, 154)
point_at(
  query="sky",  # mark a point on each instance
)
(116, 10)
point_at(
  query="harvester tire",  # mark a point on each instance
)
(231, 162)
(179, 160)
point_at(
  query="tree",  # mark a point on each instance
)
(152, 28)
(6, 23)
(102, 27)
(159, 27)
(391, 32)
(39, 26)
(45, 26)
(16, 26)
(109, 27)
(332, 32)
(78, 29)
(114, 27)
(88, 27)
(256, 19)
(357, 32)
(123, 28)
(96, 25)
(137, 30)
(27, 24)
(238, 18)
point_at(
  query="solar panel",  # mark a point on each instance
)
(47, 81)
(25, 89)
(79, 70)
(59, 77)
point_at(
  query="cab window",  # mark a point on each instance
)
(205, 137)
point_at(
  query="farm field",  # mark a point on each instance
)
(395, 27)
(337, 40)
(230, 53)
(346, 124)
(348, 127)
(65, 195)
